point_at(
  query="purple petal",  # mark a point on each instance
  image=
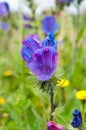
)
(27, 54)
(44, 63)
(33, 42)
(53, 126)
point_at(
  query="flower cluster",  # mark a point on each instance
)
(77, 120)
(49, 24)
(42, 60)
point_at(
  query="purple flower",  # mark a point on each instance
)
(41, 61)
(44, 63)
(26, 18)
(49, 24)
(50, 41)
(53, 126)
(4, 9)
(27, 26)
(4, 26)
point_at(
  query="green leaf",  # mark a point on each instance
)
(79, 35)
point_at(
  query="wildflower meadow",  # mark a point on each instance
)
(43, 66)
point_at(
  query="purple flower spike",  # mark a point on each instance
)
(49, 24)
(44, 63)
(53, 126)
(4, 9)
(32, 42)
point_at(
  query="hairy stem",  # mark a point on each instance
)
(51, 101)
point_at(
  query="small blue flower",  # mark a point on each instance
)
(49, 24)
(77, 120)
(50, 41)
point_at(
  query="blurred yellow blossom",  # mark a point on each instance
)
(8, 73)
(81, 94)
(63, 83)
(2, 100)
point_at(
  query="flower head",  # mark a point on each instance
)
(77, 120)
(4, 9)
(49, 24)
(8, 73)
(63, 83)
(2, 100)
(53, 126)
(44, 63)
(81, 95)
(50, 41)
(41, 61)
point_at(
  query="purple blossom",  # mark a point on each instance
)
(4, 26)
(53, 126)
(26, 18)
(27, 26)
(42, 61)
(49, 24)
(50, 41)
(4, 9)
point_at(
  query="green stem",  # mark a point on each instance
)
(83, 111)
(63, 98)
(21, 38)
(23, 63)
(51, 101)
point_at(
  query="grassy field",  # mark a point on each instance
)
(23, 105)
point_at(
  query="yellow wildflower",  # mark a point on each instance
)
(81, 94)
(8, 73)
(63, 83)
(2, 100)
